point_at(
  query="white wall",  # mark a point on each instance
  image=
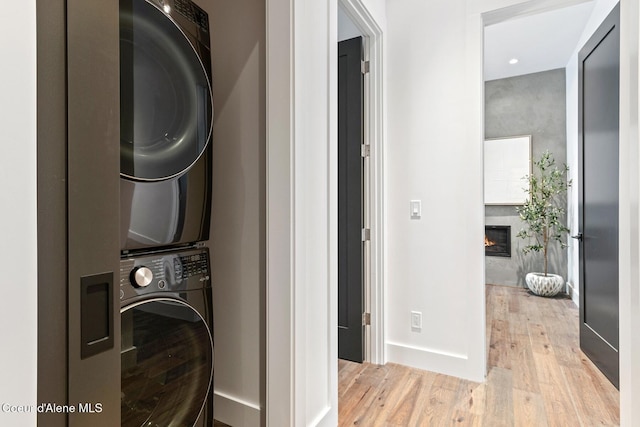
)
(435, 264)
(18, 255)
(378, 11)
(237, 224)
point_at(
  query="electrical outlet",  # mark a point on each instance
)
(416, 320)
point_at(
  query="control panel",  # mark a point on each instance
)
(166, 271)
(193, 13)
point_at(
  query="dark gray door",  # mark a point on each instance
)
(88, 323)
(599, 63)
(350, 202)
(93, 194)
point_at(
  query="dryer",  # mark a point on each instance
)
(166, 342)
(166, 118)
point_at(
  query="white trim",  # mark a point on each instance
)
(235, 411)
(476, 301)
(629, 232)
(315, 366)
(431, 359)
(527, 8)
(19, 251)
(374, 133)
(301, 303)
(574, 293)
(329, 416)
(426, 350)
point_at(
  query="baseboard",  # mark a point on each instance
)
(574, 293)
(235, 411)
(429, 360)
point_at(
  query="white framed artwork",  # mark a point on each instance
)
(506, 162)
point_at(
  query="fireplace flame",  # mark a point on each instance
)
(488, 242)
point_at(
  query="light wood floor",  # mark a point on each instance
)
(537, 376)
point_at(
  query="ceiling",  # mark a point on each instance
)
(540, 42)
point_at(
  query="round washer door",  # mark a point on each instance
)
(167, 364)
(165, 95)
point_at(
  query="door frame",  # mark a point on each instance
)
(374, 254)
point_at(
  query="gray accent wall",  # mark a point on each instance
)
(532, 104)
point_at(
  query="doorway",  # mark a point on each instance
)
(574, 274)
(352, 200)
(358, 21)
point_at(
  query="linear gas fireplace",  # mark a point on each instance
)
(497, 240)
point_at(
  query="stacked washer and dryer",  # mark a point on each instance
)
(165, 197)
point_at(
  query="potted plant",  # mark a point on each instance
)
(543, 214)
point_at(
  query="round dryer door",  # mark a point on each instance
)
(167, 364)
(165, 95)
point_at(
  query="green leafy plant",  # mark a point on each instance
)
(543, 212)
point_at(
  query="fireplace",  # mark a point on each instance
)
(497, 240)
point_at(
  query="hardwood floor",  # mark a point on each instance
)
(537, 376)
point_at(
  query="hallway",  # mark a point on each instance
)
(537, 376)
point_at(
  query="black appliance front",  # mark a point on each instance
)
(166, 118)
(166, 342)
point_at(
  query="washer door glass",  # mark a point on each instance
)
(165, 95)
(167, 364)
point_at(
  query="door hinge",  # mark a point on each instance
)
(365, 150)
(364, 66)
(366, 319)
(366, 234)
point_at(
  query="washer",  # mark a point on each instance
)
(166, 119)
(166, 340)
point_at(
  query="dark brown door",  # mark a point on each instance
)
(350, 201)
(599, 62)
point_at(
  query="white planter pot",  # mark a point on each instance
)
(546, 286)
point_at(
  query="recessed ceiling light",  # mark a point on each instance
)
(513, 61)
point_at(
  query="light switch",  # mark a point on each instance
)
(416, 209)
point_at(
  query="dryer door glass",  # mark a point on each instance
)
(165, 95)
(167, 364)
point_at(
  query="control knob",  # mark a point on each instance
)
(141, 277)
